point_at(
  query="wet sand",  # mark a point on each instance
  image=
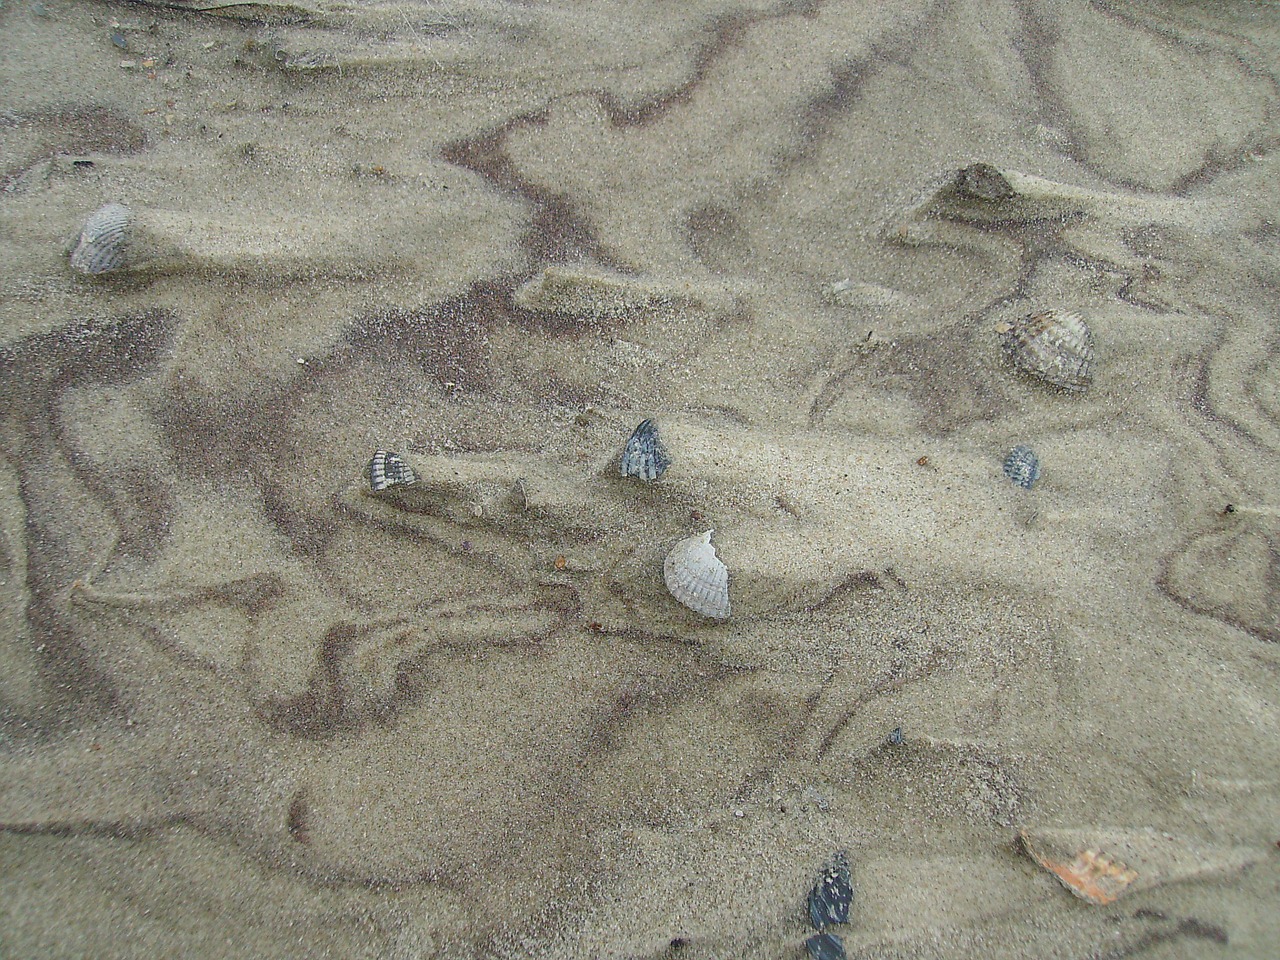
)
(249, 708)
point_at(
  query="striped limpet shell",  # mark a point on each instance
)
(645, 456)
(1053, 346)
(103, 246)
(697, 578)
(387, 470)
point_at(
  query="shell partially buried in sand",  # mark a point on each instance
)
(1022, 466)
(1101, 865)
(832, 895)
(981, 181)
(387, 469)
(1091, 874)
(825, 946)
(1053, 346)
(697, 578)
(103, 245)
(645, 456)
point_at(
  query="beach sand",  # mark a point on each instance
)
(250, 709)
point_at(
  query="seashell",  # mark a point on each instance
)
(1022, 466)
(645, 456)
(1089, 873)
(981, 181)
(387, 470)
(1100, 865)
(831, 896)
(825, 946)
(696, 577)
(1053, 346)
(104, 243)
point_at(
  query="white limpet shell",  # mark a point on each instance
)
(104, 241)
(697, 578)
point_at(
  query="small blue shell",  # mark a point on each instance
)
(825, 946)
(387, 470)
(831, 896)
(1022, 466)
(645, 456)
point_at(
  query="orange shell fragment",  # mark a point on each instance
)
(1092, 875)
(1100, 864)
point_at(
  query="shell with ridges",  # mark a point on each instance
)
(697, 578)
(103, 245)
(388, 469)
(1100, 864)
(645, 456)
(1022, 466)
(1052, 345)
(1088, 872)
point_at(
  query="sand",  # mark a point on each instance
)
(250, 709)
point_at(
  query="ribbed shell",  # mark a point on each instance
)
(1053, 346)
(696, 577)
(104, 242)
(387, 470)
(832, 895)
(1022, 466)
(644, 456)
(1089, 872)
